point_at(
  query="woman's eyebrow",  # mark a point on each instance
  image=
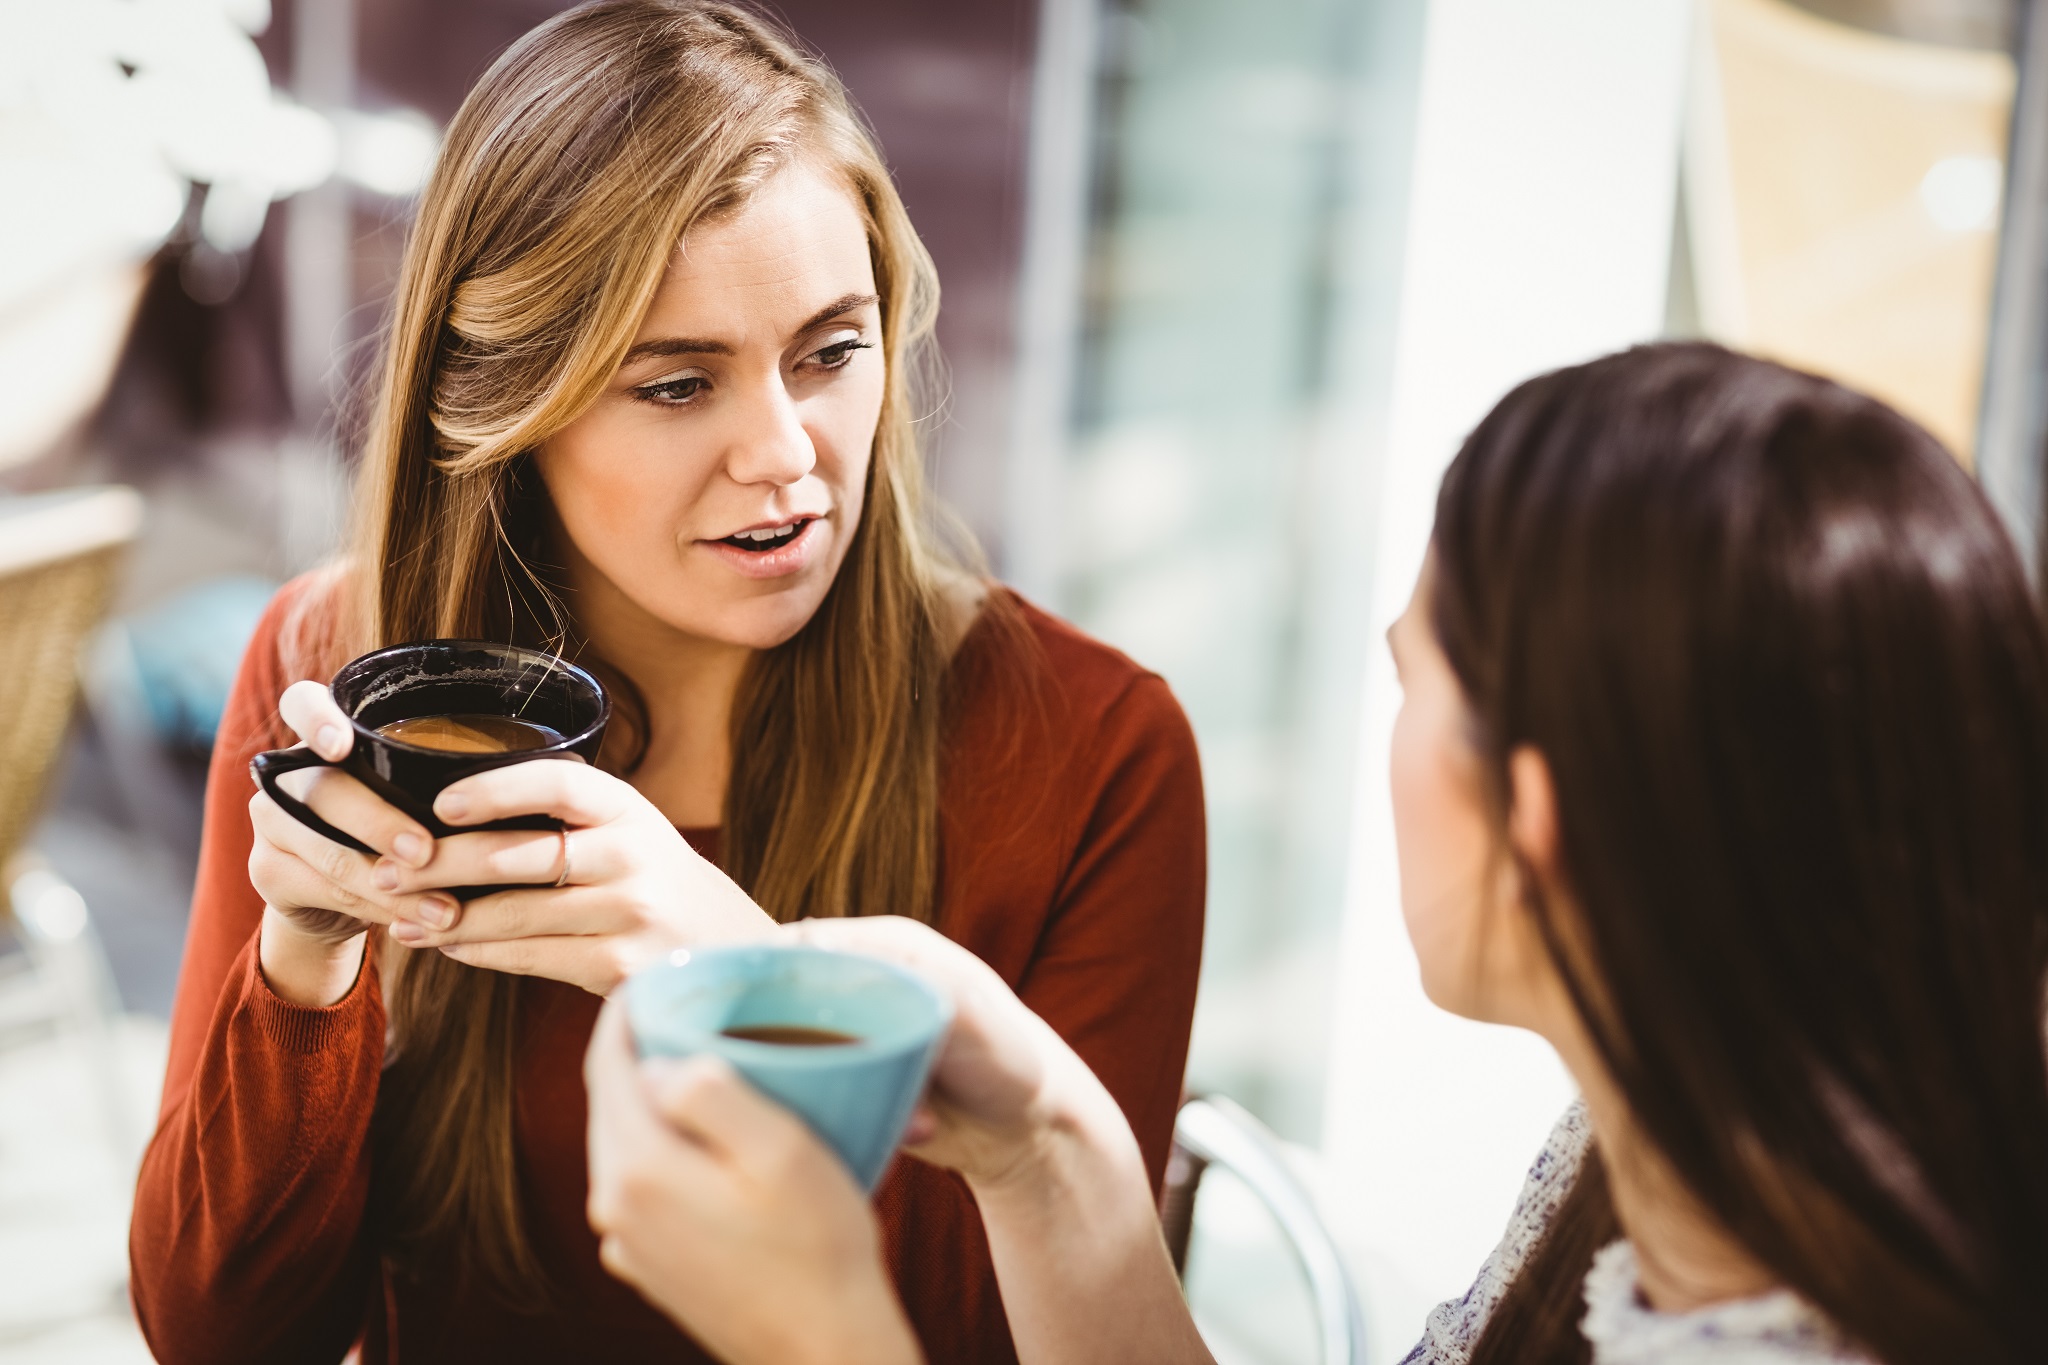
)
(664, 346)
(667, 346)
(846, 303)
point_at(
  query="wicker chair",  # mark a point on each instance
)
(59, 553)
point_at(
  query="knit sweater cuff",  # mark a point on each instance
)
(307, 1028)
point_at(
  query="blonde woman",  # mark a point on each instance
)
(646, 399)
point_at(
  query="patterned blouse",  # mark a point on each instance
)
(1778, 1328)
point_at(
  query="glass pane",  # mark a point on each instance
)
(1244, 158)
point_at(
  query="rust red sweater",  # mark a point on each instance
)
(1071, 860)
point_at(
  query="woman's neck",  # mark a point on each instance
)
(1685, 1259)
(687, 684)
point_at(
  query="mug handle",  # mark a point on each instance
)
(267, 767)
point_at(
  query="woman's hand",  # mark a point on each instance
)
(724, 1210)
(319, 896)
(616, 889)
(1058, 1178)
(1004, 1083)
(748, 1232)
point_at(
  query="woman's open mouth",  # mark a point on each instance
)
(771, 551)
(768, 538)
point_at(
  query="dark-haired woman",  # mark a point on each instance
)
(1723, 766)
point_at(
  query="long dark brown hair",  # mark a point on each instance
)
(1792, 686)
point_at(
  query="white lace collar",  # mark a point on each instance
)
(1778, 1328)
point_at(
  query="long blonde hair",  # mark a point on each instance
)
(568, 177)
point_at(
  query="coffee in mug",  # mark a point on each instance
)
(788, 1035)
(471, 734)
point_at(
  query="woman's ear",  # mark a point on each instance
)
(1532, 812)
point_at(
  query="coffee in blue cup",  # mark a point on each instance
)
(844, 1041)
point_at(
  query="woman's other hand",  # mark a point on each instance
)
(730, 1216)
(319, 896)
(738, 1192)
(1005, 1088)
(617, 889)
(1062, 1189)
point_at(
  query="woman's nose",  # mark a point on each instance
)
(770, 444)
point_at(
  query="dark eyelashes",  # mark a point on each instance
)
(842, 351)
(667, 392)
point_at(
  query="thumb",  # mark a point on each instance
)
(315, 717)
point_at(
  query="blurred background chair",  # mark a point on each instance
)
(59, 554)
(1213, 1133)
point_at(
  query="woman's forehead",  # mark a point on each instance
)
(798, 243)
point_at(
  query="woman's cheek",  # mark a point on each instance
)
(1439, 838)
(620, 493)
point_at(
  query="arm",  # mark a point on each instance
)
(727, 1213)
(731, 1217)
(1063, 1190)
(246, 1241)
(1075, 1237)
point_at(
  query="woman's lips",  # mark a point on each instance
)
(792, 556)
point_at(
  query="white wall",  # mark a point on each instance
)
(1539, 232)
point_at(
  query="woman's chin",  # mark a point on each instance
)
(756, 620)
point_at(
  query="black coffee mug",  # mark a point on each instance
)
(445, 678)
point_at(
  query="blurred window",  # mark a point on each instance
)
(1241, 277)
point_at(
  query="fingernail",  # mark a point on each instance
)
(451, 806)
(385, 874)
(408, 933)
(438, 912)
(411, 848)
(329, 741)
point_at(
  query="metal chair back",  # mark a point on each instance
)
(1212, 1131)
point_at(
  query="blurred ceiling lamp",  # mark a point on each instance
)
(1842, 192)
(109, 110)
(388, 153)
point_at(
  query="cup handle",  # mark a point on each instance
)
(267, 767)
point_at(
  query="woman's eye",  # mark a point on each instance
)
(672, 392)
(838, 353)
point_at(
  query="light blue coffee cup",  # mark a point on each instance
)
(856, 1096)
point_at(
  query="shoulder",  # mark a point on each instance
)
(306, 626)
(1017, 653)
(1454, 1327)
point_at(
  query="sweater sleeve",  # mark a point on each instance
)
(1116, 968)
(248, 1241)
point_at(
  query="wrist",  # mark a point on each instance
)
(875, 1332)
(1077, 1152)
(306, 969)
